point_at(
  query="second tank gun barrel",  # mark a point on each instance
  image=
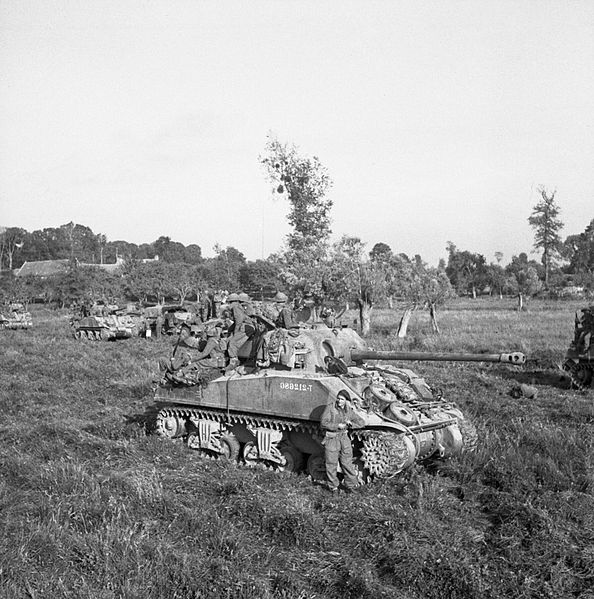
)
(356, 355)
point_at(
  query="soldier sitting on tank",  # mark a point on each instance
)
(213, 353)
(285, 318)
(335, 422)
(192, 337)
(242, 328)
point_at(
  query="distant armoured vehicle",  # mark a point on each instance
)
(104, 328)
(15, 316)
(579, 358)
(269, 412)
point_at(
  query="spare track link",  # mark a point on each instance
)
(231, 418)
(382, 452)
(580, 374)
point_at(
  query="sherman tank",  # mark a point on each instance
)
(267, 411)
(15, 317)
(105, 328)
(579, 358)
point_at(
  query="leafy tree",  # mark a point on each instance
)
(304, 181)
(352, 277)
(11, 241)
(546, 224)
(525, 280)
(579, 251)
(222, 271)
(465, 269)
(381, 252)
(193, 254)
(151, 279)
(260, 278)
(169, 251)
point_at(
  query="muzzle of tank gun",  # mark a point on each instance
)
(357, 356)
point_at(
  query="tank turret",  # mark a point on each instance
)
(268, 410)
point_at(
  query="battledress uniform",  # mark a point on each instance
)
(337, 444)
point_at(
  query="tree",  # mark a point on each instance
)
(465, 270)
(579, 251)
(260, 278)
(222, 271)
(304, 182)
(352, 277)
(525, 279)
(546, 224)
(11, 241)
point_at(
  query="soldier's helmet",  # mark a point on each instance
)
(233, 297)
(244, 297)
(280, 297)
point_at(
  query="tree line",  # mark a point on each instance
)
(309, 265)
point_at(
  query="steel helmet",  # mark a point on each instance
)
(280, 297)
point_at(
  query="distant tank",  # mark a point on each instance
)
(579, 358)
(269, 412)
(104, 328)
(15, 317)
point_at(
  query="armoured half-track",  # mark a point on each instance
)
(15, 316)
(267, 411)
(579, 358)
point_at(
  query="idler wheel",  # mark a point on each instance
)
(401, 413)
(169, 425)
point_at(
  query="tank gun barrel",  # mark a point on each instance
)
(355, 355)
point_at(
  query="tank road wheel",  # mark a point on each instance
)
(316, 467)
(169, 425)
(229, 447)
(294, 459)
(250, 454)
(401, 413)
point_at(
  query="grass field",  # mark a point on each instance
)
(93, 507)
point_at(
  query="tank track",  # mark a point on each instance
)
(580, 374)
(182, 414)
(383, 454)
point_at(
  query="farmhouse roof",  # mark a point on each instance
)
(43, 268)
(49, 268)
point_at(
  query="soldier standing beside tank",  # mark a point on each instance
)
(336, 419)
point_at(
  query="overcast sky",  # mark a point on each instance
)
(437, 121)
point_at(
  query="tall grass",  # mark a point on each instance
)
(93, 507)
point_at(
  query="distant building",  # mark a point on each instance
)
(50, 268)
(43, 268)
